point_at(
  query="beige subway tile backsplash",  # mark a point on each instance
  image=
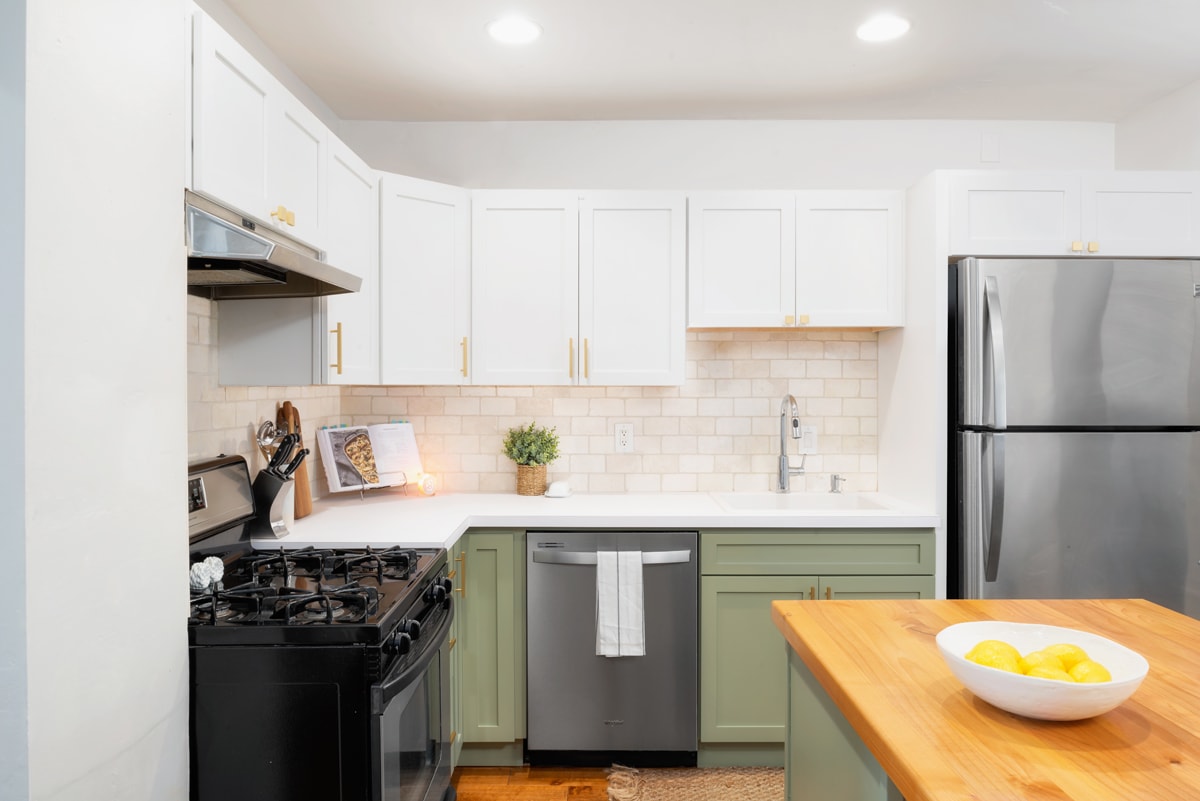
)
(719, 432)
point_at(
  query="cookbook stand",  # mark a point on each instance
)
(362, 491)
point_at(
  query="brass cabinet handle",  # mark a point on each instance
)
(453, 641)
(1093, 247)
(464, 350)
(338, 364)
(789, 319)
(828, 593)
(570, 357)
(461, 589)
(452, 574)
(586, 359)
(453, 735)
(803, 319)
(1076, 247)
(284, 215)
(812, 593)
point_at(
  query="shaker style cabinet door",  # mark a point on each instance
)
(424, 275)
(849, 259)
(741, 259)
(1141, 214)
(230, 96)
(632, 273)
(352, 319)
(255, 146)
(525, 287)
(1013, 214)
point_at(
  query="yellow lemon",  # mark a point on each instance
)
(995, 653)
(1069, 654)
(1035, 658)
(1049, 672)
(1089, 672)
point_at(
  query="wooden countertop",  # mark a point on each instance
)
(879, 663)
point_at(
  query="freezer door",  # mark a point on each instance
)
(1082, 515)
(1081, 342)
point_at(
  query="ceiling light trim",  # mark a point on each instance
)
(512, 29)
(883, 28)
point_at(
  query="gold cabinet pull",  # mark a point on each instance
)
(464, 350)
(284, 215)
(453, 641)
(338, 364)
(452, 574)
(1093, 247)
(829, 593)
(1076, 247)
(812, 593)
(804, 319)
(461, 589)
(570, 357)
(789, 319)
(586, 359)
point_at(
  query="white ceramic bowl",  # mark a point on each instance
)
(1031, 697)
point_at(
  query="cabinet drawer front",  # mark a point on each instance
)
(872, 588)
(824, 552)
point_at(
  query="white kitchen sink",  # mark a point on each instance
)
(796, 501)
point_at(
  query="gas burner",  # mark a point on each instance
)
(267, 565)
(395, 563)
(349, 603)
(208, 608)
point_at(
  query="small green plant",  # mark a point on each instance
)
(531, 444)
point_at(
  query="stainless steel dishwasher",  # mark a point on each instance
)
(589, 709)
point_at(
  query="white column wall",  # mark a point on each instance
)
(104, 400)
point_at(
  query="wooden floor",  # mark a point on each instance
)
(531, 784)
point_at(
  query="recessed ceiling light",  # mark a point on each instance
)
(514, 30)
(883, 28)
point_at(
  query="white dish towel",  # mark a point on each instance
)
(620, 615)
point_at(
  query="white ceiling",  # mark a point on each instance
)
(1086, 60)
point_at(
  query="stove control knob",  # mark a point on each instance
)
(399, 643)
(447, 583)
(412, 628)
(436, 593)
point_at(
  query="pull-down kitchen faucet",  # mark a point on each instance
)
(789, 417)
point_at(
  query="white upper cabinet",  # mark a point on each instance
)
(632, 274)
(524, 287)
(783, 259)
(741, 259)
(1099, 214)
(352, 319)
(254, 145)
(849, 259)
(425, 291)
(578, 288)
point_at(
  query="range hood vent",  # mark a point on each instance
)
(232, 255)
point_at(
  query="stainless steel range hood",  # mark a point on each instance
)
(231, 255)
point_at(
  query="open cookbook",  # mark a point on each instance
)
(369, 457)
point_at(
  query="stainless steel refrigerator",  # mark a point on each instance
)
(1076, 430)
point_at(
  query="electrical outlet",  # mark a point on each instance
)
(808, 440)
(623, 437)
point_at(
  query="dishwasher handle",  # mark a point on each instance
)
(555, 557)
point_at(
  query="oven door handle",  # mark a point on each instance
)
(405, 674)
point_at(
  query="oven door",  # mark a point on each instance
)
(411, 725)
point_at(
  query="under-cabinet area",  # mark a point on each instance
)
(740, 701)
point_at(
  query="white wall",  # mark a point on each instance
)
(795, 154)
(1164, 135)
(14, 751)
(104, 400)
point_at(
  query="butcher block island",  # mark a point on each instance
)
(874, 712)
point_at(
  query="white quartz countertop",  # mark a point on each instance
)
(389, 517)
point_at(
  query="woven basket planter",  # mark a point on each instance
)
(531, 479)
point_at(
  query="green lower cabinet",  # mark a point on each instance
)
(492, 646)
(744, 699)
(743, 683)
(456, 718)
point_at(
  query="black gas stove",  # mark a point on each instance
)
(316, 595)
(316, 673)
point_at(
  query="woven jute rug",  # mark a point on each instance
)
(695, 784)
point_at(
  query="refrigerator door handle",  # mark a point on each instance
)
(991, 302)
(995, 529)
